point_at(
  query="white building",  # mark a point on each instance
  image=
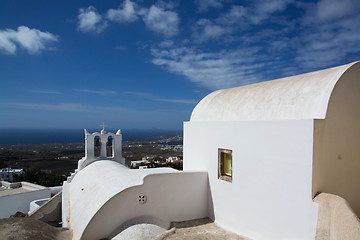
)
(270, 147)
(16, 197)
(254, 157)
(137, 163)
(172, 159)
(7, 174)
(103, 197)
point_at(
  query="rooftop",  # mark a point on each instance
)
(7, 188)
(304, 96)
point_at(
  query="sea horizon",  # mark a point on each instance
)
(69, 135)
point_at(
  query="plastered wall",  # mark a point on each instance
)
(169, 197)
(270, 194)
(103, 198)
(13, 203)
(337, 142)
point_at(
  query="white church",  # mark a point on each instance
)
(254, 158)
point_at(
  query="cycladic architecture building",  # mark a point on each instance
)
(104, 197)
(254, 158)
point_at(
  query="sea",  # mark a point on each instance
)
(42, 136)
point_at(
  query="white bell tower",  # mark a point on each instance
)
(102, 140)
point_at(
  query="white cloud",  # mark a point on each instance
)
(265, 9)
(162, 21)
(158, 18)
(330, 34)
(322, 45)
(182, 101)
(205, 5)
(90, 20)
(206, 29)
(125, 14)
(236, 15)
(290, 46)
(33, 40)
(213, 70)
(166, 43)
(269, 7)
(120, 47)
(238, 18)
(255, 14)
(328, 10)
(44, 91)
(165, 4)
(102, 92)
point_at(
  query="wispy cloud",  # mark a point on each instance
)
(159, 99)
(205, 5)
(236, 15)
(90, 20)
(120, 47)
(43, 91)
(162, 21)
(237, 18)
(33, 40)
(102, 92)
(331, 32)
(329, 10)
(183, 101)
(212, 70)
(264, 9)
(205, 30)
(268, 42)
(124, 14)
(253, 42)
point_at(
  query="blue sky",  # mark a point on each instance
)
(145, 64)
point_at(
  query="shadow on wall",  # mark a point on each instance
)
(170, 197)
(210, 204)
(147, 219)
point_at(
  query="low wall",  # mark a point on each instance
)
(49, 212)
(105, 197)
(336, 219)
(162, 199)
(19, 200)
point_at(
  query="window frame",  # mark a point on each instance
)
(221, 163)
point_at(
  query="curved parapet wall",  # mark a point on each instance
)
(162, 199)
(304, 96)
(105, 197)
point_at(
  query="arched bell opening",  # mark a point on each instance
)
(97, 146)
(110, 147)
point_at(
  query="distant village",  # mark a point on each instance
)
(49, 164)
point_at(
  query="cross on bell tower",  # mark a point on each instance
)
(103, 126)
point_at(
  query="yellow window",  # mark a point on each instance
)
(225, 165)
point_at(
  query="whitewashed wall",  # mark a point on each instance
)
(103, 199)
(270, 194)
(12, 203)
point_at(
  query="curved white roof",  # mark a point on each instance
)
(304, 96)
(96, 184)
